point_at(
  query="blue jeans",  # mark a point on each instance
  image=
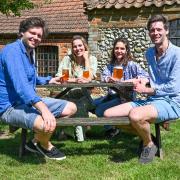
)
(104, 103)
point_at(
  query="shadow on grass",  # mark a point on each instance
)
(128, 147)
(120, 149)
(10, 147)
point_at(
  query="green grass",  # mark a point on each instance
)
(96, 158)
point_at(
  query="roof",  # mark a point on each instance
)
(99, 4)
(65, 16)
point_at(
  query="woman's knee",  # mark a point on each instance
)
(107, 113)
(69, 109)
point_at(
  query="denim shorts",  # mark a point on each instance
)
(166, 108)
(22, 115)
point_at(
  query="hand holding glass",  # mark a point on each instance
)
(65, 74)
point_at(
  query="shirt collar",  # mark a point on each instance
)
(169, 47)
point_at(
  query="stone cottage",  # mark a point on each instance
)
(109, 19)
(100, 21)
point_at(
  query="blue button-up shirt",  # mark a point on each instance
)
(18, 77)
(165, 73)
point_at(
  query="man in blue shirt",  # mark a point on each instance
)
(19, 103)
(164, 91)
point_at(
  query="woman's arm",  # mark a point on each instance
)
(107, 73)
(63, 64)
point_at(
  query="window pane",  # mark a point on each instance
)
(174, 31)
(47, 60)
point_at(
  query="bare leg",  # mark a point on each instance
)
(129, 129)
(44, 137)
(40, 135)
(140, 118)
(121, 110)
(69, 109)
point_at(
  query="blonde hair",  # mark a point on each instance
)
(73, 56)
(83, 41)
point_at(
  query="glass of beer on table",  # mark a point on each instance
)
(118, 72)
(65, 74)
(86, 73)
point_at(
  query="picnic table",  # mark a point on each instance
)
(124, 89)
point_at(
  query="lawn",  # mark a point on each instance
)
(96, 158)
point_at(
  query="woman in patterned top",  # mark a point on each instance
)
(121, 56)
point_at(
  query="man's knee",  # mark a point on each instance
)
(69, 109)
(135, 115)
(38, 124)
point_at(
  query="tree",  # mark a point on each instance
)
(14, 6)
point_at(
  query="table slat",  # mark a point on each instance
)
(92, 121)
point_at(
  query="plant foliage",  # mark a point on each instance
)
(14, 6)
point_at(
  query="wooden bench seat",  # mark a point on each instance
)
(93, 122)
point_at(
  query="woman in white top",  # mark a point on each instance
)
(78, 61)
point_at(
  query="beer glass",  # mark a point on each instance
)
(118, 72)
(86, 73)
(65, 74)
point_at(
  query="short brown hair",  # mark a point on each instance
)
(158, 18)
(31, 22)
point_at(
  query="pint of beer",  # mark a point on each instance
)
(118, 72)
(65, 73)
(86, 74)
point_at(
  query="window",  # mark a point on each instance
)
(174, 32)
(47, 60)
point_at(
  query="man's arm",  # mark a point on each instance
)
(48, 80)
(165, 78)
(172, 85)
(16, 76)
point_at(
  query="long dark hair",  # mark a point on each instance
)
(128, 56)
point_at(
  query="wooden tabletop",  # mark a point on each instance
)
(91, 84)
